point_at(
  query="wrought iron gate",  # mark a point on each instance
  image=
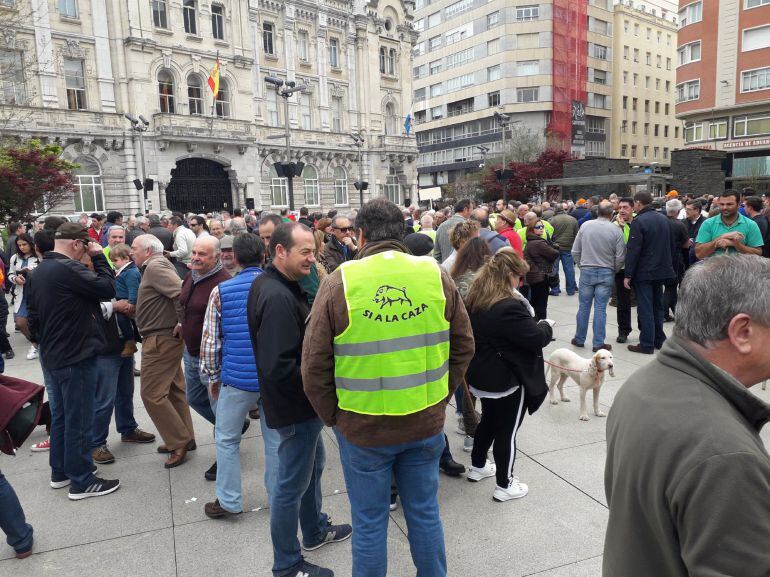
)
(199, 185)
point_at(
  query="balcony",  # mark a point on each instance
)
(460, 107)
(57, 120)
(178, 126)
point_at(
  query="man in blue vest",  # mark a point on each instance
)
(227, 358)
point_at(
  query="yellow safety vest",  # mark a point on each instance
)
(393, 358)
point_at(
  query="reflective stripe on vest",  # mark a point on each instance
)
(393, 358)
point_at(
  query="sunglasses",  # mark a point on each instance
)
(539, 226)
(343, 228)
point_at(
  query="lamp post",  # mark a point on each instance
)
(360, 184)
(288, 169)
(140, 126)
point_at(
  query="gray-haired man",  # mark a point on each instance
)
(687, 475)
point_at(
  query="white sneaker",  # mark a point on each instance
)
(468, 444)
(515, 490)
(32, 353)
(476, 474)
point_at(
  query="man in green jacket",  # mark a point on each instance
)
(565, 229)
(687, 476)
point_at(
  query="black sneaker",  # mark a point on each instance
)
(305, 569)
(9, 354)
(334, 534)
(96, 489)
(211, 474)
(393, 502)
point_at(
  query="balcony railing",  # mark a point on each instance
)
(179, 125)
(458, 111)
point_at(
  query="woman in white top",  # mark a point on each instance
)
(21, 264)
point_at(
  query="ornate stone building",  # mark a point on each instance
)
(72, 68)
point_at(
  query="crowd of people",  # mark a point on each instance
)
(368, 322)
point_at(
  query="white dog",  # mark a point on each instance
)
(587, 373)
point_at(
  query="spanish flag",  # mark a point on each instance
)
(214, 79)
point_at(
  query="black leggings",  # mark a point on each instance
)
(538, 298)
(500, 420)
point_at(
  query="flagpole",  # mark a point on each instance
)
(214, 98)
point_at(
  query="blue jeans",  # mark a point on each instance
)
(198, 392)
(124, 398)
(297, 496)
(72, 416)
(569, 272)
(595, 289)
(114, 389)
(17, 531)
(368, 477)
(232, 407)
(649, 308)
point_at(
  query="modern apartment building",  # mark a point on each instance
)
(529, 60)
(644, 126)
(72, 68)
(723, 81)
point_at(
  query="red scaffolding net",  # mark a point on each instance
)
(570, 72)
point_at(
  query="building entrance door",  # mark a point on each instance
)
(199, 185)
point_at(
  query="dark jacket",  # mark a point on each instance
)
(687, 475)
(764, 229)
(540, 256)
(133, 234)
(578, 212)
(509, 351)
(335, 254)
(17, 395)
(565, 229)
(694, 227)
(194, 297)
(650, 249)
(64, 313)
(163, 235)
(681, 241)
(330, 318)
(277, 310)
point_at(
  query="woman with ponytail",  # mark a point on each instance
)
(506, 372)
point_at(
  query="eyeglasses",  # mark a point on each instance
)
(85, 242)
(343, 228)
(539, 226)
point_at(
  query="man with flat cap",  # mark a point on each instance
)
(64, 320)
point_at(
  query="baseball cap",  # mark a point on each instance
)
(581, 201)
(72, 231)
(226, 242)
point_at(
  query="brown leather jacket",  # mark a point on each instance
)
(329, 318)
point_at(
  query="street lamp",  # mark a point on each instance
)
(288, 169)
(504, 120)
(360, 184)
(140, 125)
(483, 151)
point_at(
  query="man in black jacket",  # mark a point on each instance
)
(277, 310)
(649, 264)
(64, 320)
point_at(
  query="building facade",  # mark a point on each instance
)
(79, 65)
(529, 60)
(723, 82)
(644, 126)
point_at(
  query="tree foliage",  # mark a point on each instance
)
(527, 177)
(33, 179)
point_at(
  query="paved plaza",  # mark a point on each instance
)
(154, 526)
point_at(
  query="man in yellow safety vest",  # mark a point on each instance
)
(387, 343)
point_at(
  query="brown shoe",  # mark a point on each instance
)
(176, 458)
(215, 511)
(138, 436)
(191, 446)
(25, 554)
(128, 349)
(102, 456)
(605, 346)
(640, 349)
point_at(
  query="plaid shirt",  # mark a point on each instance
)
(211, 340)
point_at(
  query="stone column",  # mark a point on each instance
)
(41, 18)
(103, 60)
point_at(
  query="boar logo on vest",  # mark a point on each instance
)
(390, 296)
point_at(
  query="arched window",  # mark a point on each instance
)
(391, 120)
(383, 58)
(195, 94)
(392, 62)
(340, 186)
(89, 195)
(222, 101)
(166, 92)
(279, 189)
(393, 187)
(310, 176)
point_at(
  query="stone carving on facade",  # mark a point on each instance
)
(9, 38)
(242, 148)
(73, 49)
(196, 63)
(192, 147)
(162, 145)
(218, 148)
